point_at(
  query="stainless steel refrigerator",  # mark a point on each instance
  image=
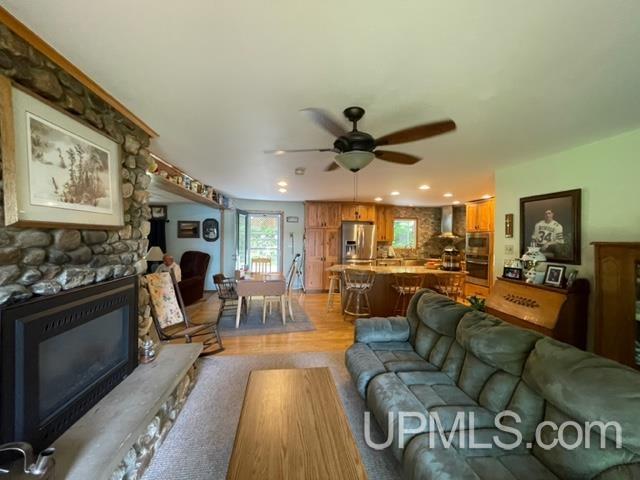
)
(358, 243)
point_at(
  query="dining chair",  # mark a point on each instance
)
(260, 265)
(406, 285)
(227, 294)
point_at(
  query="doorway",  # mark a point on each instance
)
(259, 235)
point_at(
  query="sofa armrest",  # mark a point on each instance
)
(389, 329)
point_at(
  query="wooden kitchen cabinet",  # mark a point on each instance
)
(322, 250)
(384, 223)
(480, 216)
(322, 215)
(352, 212)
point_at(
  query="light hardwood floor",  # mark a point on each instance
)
(332, 331)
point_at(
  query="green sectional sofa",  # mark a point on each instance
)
(449, 363)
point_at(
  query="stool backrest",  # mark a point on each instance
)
(360, 279)
(450, 284)
(260, 265)
(409, 283)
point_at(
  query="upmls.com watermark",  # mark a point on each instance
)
(577, 434)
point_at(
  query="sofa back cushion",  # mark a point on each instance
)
(434, 318)
(581, 387)
(494, 358)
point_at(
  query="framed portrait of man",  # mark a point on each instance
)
(551, 222)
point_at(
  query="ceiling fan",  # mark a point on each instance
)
(356, 149)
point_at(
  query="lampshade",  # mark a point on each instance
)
(154, 254)
(354, 160)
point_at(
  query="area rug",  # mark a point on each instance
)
(199, 445)
(251, 324)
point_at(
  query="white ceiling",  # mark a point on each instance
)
(222, 80)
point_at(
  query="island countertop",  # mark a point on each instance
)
(392, 269)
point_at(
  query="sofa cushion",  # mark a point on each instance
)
(495, 342)
(440, 313)
(399, 357)
(582, 387)
(363, 365)
(391, 329)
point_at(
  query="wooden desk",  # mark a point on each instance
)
(261, 285)
(293, 426)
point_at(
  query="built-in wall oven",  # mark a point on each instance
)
(478, 257)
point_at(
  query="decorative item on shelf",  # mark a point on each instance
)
(196, 186)
(159, 212)
(554, 275)
(508, 225)
(147, 351)
(163, 173)
(57, 172)
(571, 276)
(210, 230)
(530, 259)
(188, 229)
(177, 179)
(186, 181)
(551, 222)
(512, 273)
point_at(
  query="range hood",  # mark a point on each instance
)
(446, 227)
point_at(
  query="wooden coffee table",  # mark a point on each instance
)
(293, 426)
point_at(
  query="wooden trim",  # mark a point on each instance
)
(43, 47)
(8, 152)
(168, 186)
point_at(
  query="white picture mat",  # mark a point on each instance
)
(23, 103)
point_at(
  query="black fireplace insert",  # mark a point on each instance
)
(61, 354)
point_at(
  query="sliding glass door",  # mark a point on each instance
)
(259, 235)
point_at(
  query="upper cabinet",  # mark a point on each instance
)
(322, 215)
(480, 216)
(352, 212)
(384, 223)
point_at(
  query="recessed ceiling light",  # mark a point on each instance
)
(424, 187)
(282, 183)
(378, 199)
(394, 193)
(456, 202)
(282, 190)
(486, 196)
(300, 171)
(448, 194)
(278, 152)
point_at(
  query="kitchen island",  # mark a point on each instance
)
(382, 296)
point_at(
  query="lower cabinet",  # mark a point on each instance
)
(473, 290)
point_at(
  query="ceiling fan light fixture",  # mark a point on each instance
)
(354, 160)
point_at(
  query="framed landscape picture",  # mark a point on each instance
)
(552, 223)
(57, 171)
(188, 229)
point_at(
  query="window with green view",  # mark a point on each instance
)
(405, 232)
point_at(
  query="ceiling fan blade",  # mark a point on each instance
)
(331, 167)
(417, 133)
(299, 150)
(325, 121)
(397, 157)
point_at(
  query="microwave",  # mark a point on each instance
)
(478, 244)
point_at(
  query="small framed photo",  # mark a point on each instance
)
(554, 275)
(508, 225)
(159, 212)
(210, 230)
(512, 273)
(188, 229)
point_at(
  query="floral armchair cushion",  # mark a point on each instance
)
(163, 297)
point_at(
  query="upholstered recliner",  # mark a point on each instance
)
(194, 266)
(445, 358)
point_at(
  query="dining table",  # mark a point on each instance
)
(261, 285)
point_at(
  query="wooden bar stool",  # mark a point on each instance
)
(334, 281)
(451, 285)
(406, 285)
(358, 283)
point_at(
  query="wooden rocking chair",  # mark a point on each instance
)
(170, 317)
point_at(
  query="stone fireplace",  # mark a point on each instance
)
(61, 354)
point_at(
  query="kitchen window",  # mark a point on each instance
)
(405, 233)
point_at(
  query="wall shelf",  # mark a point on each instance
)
(160, 184)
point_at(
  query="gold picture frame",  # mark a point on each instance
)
(57, 172)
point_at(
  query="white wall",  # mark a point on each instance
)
(607, 171)
(292, 231)
(177, 246)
